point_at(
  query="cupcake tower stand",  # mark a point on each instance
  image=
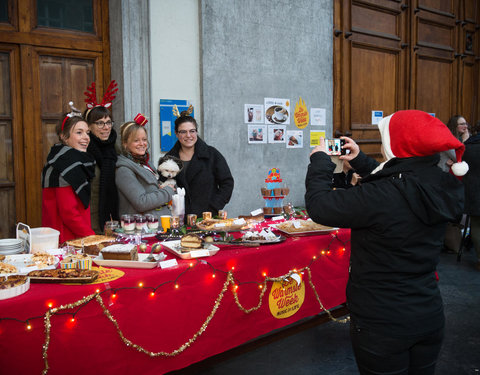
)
(274, 193)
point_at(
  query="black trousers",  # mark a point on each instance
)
(379, 354)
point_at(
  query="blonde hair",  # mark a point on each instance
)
(127, 130)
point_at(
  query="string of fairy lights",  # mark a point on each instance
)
(230, 281)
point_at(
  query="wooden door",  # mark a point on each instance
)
(57, 57)
(404, 54)
(369, 68)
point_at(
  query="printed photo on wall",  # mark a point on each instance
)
(276, 133)
(277, 111)
(253, 114)
(294, 138)
(257, 134)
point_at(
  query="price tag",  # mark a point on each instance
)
(296, 224)
(168, 263)
(219, 225)
(256, 212)
(239, 221)
(277, 218)
(199, 253)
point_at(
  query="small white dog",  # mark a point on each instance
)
(168, 168)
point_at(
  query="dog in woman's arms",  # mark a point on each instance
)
(168, 168)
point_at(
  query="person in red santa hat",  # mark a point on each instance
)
(398, 217)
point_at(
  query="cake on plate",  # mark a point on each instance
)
(120, 252)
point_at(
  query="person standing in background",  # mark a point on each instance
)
(66, 180)
(104, 202)
(459, 127)
(472, 187)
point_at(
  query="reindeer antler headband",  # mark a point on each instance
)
(91, 96)
(74, 112)
(177, 114)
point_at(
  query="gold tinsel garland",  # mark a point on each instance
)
(229, 281)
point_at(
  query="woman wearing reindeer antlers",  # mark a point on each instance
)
(205, 174)
(136, 178)
(66, 180)
(104, 202)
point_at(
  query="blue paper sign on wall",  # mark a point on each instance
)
(167, 121)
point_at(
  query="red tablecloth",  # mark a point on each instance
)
(171, 317)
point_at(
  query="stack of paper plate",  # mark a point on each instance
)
(10, 246)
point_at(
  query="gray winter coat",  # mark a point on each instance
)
(138, 190)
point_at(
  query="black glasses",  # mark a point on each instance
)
(102, 124)
(183, 132)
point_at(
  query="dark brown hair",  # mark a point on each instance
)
(64, 129)
(184, 118)
(96, 113)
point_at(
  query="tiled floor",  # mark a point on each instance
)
(325, 349)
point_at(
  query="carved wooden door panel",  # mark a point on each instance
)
(469, 57)
(370, 66)
(11, 153)
(434, 66)
(57, 77)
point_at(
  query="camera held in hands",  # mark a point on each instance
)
(334, 146)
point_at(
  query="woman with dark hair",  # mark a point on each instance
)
(459, 127)
(136, 178)
(472, 185)
(205, 175)
(66, 180)
(104, 202)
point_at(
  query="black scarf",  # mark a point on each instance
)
(68, 166)
(106, 158)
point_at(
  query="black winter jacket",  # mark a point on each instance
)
(207, 179)
(472, 179)
(398, 218)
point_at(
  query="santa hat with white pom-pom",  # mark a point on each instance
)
(416, 133)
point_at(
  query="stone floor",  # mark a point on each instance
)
(325, 349)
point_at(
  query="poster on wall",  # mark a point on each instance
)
(276, 133)
(315, 136)
(277, 111)
(253, 114)
(318, 116)
(167, 121)
(294, 138)
(257, 134)
(301, 115)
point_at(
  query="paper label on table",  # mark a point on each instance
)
(277, 218)
(286, 298)
(256, 212)
(168, 263)
(199, 253)
(240, 221)
(296, 224)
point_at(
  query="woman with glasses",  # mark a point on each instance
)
(205, 175)
(459, 127)
(104, 203)
(136, 178)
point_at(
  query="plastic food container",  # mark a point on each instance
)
(44, 239)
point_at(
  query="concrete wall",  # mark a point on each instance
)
(254, 49)
(174, 58)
